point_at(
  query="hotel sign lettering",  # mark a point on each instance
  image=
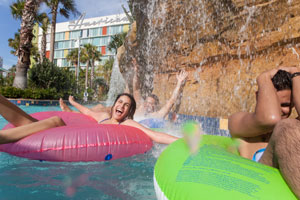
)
(80, 23)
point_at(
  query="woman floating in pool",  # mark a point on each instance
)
(121, 113)
(24, 124)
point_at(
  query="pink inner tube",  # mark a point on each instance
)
(82, 139)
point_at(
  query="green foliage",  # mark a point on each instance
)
(11, 92)
(9, 78)
(131, 9)
(36, 93)
(14, 43)
(56, 82)
(101, 88)
(17, 8)
(64, 7)
(90, 53)
(47, 75)
(43, 21)
(105, 70)
(116, 41)
(46, 78)
(73, 56)
(130, 18)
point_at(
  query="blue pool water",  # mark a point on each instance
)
(128, 178)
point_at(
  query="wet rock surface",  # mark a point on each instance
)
(223, 45)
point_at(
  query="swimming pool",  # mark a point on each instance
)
(127, 178)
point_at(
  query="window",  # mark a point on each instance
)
(62, 45)
(48, 46)
(65, 63)
(59, 36)
(74, 43)
(112, 52)
(48, 37)
(75, 34)
(84, 41)
(113, 30)
(67, 44)
(59, 54)
(96, 41)
(94, 32)
(104, 41)
(85, 33)
(101, 31)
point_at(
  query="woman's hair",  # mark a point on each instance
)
(132, 105)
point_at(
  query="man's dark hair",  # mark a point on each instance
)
(155, 98)
(282, 80)
(132, 105)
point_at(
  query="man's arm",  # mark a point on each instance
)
(267, 111)
(296, 87)
(181, 77)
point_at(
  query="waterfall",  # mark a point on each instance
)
(117, 83)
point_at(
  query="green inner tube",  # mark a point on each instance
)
(215, 172)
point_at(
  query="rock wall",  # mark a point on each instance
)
(223, 44)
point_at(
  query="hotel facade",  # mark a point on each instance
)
(97, 31)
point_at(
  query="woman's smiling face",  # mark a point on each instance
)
(121, 108)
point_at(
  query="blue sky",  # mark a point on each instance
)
(92, 8)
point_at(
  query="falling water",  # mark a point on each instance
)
(223, 44)
(116, 85)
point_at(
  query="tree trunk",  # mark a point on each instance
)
(76, 70)
(87, 74)
(43, 45)
(92, 74)
(53, 28)
(20, 80)
(30, 9)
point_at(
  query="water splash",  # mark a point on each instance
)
(224, 44)
(117, 83)
(295, 52)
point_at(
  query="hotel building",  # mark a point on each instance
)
(96, 31)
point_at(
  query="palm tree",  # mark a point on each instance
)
(66, 7)
(90, 55)
(27, 24)
(85, 57)
(14, 43)
(44, 22)
(16, 11)
(73, 57)
(105, 70)
(117, 41)
(95, 56)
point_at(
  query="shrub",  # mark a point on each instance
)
(35, 93)
(47, 75)
(11, 92)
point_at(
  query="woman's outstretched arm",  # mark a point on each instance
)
(156, 136)
(98, 116)
(97, 108)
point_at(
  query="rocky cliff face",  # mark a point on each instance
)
(223, 44)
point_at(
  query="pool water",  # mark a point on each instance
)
(127, 178)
